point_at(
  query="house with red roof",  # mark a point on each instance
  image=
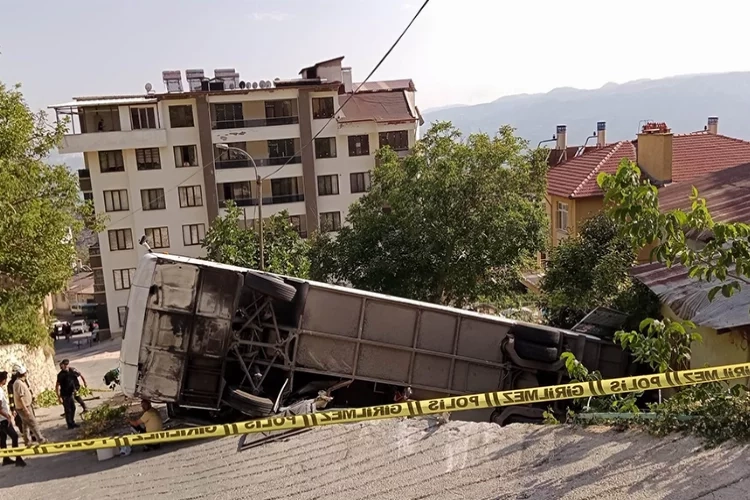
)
(573, 194)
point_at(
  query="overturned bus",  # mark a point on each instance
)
(235, 341)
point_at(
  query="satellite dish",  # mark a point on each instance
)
(255, 85)
(277, 79)
(149, 87)
(242, 84)
(231, 85)
(262, 84)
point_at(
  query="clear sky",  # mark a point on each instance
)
(458, 51)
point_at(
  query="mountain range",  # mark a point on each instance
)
(683, 102)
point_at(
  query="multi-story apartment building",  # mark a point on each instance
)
(154, 168)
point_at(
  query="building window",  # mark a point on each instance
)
(286, 190)
(281, 148)
(148, 159)
(98, 281)
(181, 116)
(191, 196)
(157, 237)
(278, 108)
(111, 161)
(142, 118)
(185, 156)
(562, 216)
(122, 315)
(325, 147)
(296, 221)
(229, 115)
(330, 221)
(398, 140)
(153, 199)
(322, 107)
(116, 201)
(359, 145)
(359, 182)
(88, 196)
(123, 278)
(328, 185)
(120, 239)
(193, 234)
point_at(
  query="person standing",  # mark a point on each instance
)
(24, 403)
(6, 424)
(66, 386)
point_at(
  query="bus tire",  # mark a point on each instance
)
(536, 352)
(244, 401)
(544, 336)
(268, 285)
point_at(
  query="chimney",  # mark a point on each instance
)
(346, 76)
(601, 134)
(562, 137)
(713, 125)
(654, 153)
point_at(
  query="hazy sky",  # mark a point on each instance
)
(458, 51)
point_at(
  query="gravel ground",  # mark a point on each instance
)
(403, 459)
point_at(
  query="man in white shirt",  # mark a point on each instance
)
(6, 424)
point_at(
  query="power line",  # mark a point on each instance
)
(357, 90)
(377, 66)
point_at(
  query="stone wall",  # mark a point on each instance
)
(41, 366)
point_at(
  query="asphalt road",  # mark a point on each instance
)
(399, 460)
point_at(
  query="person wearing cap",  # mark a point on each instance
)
(24, 402)
(6, 424)
(66, 387)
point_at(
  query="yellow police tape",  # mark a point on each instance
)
(408, 409)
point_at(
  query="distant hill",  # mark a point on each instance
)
(683, 102)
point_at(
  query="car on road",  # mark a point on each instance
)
(79, 326)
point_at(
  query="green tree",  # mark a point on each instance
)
(591, 269)
(41, 215)
(454, 221)
(228, 242)
(634, 203)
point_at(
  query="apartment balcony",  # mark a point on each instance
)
(255, 122)
(267, 200)
(255, 129)
(84, 179)
(114, 140)
(260, 162)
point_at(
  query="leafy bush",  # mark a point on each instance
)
(102, 420)
(46, 399)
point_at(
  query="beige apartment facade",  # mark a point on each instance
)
(153, 166)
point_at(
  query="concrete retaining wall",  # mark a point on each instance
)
(41, 367)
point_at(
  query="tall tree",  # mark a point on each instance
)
(634, 203)
(453, 222)
(227, 241)
(41, 214)
(590, 269)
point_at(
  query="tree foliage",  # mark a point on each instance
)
(452, 222)
(228, 242)
(724, 258)
(41, 214)
(591, 269)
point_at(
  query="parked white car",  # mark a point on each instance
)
(79, 326)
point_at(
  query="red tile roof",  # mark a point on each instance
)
(693, 155)
(576, 178)
(698, 154)
(557, 156)
(381, 107)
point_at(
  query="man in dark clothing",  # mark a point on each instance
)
(67, 382)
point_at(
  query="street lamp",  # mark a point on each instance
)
(259, 183)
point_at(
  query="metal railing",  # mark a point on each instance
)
(267, 200)
(254, 122)
(261, 162)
